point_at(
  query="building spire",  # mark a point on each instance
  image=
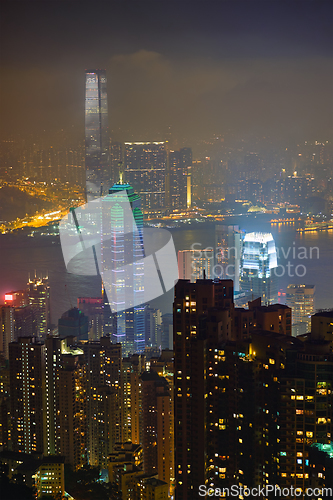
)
(121, 173)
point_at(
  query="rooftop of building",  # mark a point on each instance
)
(325, 314)
(153, 481)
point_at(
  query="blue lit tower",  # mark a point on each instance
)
(96, 135)
(123, 247)
(258, 261)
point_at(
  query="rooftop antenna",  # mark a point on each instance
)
(121, 172)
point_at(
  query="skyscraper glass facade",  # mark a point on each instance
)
(125, 247)
(145, 164)
(97, 137)
(259, 259)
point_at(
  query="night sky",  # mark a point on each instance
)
(200, 67)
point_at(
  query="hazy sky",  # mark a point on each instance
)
(201, 67)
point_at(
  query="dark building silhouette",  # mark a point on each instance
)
(74, 323)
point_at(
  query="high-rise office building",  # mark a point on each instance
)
(98, 175)
(153, 326)
(228, 249)
(39, 299)
(104, 395)
(133, 367)
(194, 265)
(180, 163)
(125, 245)
(7, 329)
(145, 170)
(19, 298)
(258, 263)
(156, 418)
(191, 372)
(301, 300)
(72, 405)
(27, 389)
(116, 160)
(93, 308)
(164, 366)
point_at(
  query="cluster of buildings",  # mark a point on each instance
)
(250, 399)
(79, 403)
(233, 388)
(250, 259)
(237, 385)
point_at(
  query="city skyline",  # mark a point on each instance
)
(166, 234)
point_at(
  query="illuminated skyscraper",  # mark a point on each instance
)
(193, 349)
(39, 299)
(116, 159)
(98, 173)
(180, 163)
(258, 261)
(301, 300)
(156, 415)
(124, 246)
(27, 386)
(145, 170)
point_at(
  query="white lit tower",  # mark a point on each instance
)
(258, 261)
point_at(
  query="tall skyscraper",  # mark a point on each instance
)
(104, 395)
(156, 415)
(116, 159)
(98, 175)
(180, 163)
(7, 329)
(258, 261)
(145, 170)
(192, 301)
(192, 265)
(228, 249)
(27, 386)
(301, 300)
(92, 307)
(124, 246)
(39, 299)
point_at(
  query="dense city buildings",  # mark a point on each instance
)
(255, 393)
(97, 160)
(39, 299)
(180, 163)
(145, 169)
(301, 299)
(123, 244)
(93, 308)
(228, 250)
(118, 398)
(27, 390)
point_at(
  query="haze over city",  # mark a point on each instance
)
(166, 250)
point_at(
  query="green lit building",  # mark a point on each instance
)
(122, 263)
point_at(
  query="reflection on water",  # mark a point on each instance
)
(20, 257)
